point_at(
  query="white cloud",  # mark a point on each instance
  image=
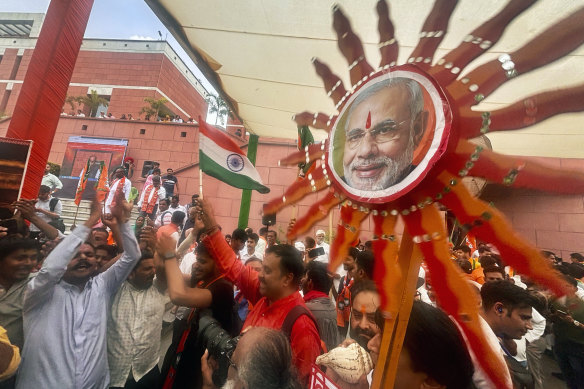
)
(142, 38)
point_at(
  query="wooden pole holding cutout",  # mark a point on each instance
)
(409, 259)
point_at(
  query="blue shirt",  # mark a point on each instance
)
(65, 327)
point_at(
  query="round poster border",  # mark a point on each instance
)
(434, 153)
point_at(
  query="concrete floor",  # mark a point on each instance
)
(550, 366)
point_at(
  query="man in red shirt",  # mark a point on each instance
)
(273, 291)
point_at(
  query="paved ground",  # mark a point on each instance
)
(550, 366)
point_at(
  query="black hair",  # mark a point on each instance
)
(436, 347)
(175, 197)
(577, 256)
(146, 254)
(576, 270)
(253, 236)
(368, 245)
(263, 231)
(201, 249)
(363, 286)
(464, 248)
(505, 292)
(44, 189)
(570, 280)
(156, 170)
(353, 252)
(111, 250)
(166, 200)
(494, 269)
(227, 236)
(547, 253)
(239, 234)
(275, 233)
(465, 266)
(290, 260)
(318, 273)
(483, 249)
(366, 261)
(177, 217)
(310, 242)
(488, 260)
(11, 243)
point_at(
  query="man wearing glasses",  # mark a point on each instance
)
(385, 124)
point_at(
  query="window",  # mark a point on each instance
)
(84, 127)
(183, 134)
(142, 131)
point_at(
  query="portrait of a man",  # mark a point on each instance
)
(382, 128)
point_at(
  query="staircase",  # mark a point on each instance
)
(69, 209)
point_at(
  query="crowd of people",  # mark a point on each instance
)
(98, 308)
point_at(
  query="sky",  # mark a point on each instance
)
(116, 19)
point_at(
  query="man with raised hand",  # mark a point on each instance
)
(273, 291)
(65, 309)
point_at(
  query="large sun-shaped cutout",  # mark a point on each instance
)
(399, 144)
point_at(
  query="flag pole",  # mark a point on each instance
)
(200, 181)
(75, 217)
(245, 204)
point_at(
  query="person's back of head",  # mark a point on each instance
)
(365, 263)
(577, 257)
(239, 234)
(465, 266)
(487, 260)
(263, 231)
(435, 347)
(317, 273)
(309, 243)
(178, 218)
(576, 270)
(268, 363)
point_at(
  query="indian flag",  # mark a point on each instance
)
(220, 157)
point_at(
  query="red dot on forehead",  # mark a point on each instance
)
(368, 123)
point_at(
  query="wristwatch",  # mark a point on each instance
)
(169, 255)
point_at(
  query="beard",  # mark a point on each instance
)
(361, 336)
(392, 173)
(229, 384)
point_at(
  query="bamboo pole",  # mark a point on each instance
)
(409, 260)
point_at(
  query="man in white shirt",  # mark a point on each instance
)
(150, 198)
(175, 206)
(164, 215)
(508, 310)
(65, 310)
(43, 208)
(134, 327)
(51, 180)
(321, 243)
(120, 179)
(250, 248)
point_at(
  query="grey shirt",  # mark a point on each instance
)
(65, 327)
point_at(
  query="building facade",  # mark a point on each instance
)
(125, 72)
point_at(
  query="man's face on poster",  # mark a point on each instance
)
(381, 135)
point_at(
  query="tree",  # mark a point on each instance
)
(154, 107)
(219, 107)
(92, 101)
(72, 100)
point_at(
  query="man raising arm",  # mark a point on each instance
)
(273, 291)
(65, 310)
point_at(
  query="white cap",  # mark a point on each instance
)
(299, 246)
(320, 232)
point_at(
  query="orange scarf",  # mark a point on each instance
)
(147, 202)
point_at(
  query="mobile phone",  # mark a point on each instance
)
(316, 252)
(10, 225)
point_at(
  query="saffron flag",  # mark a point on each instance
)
(82, 182)
(101, 188)
(220, 157)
